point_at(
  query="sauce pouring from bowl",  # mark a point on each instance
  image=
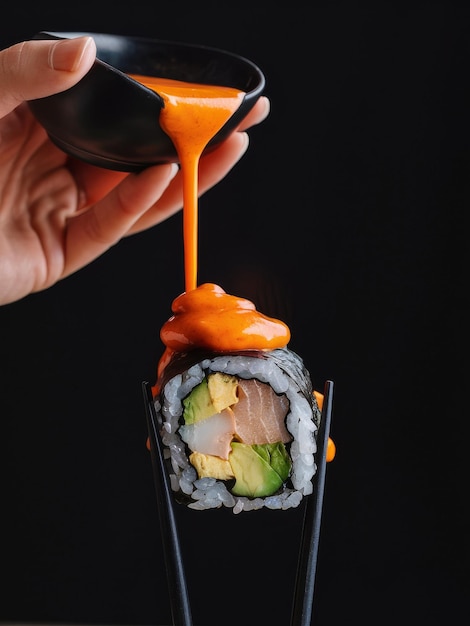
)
(192, 115)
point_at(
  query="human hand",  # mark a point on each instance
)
(58, 214)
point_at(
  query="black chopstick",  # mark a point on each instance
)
(308, 552)
(178, 592)
(306, 569)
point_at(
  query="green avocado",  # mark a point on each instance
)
(254, 475)
(198, 405)
(214, 394)
(276, 455)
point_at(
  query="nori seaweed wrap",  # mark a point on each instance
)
(238, 426)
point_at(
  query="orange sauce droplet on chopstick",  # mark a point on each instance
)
(331, 446)
(192, 115)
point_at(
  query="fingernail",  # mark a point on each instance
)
(174, 170)
(66, 54)
(246, 140)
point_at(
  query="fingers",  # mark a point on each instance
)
(143, 200)
(96, 182)
(257, 114)
(39, 68)
(92, 232)
(93, 182)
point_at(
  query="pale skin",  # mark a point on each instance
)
(58, 214)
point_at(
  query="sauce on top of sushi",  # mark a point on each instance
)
(205, 316)
(192, 115)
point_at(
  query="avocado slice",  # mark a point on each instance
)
(198, 405)
(213, 394)
(276, 455)
(254, 476)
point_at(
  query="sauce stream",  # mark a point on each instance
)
(205, 316)
(192, 115)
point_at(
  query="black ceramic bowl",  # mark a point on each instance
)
(111, 120)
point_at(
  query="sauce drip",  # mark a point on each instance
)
(192, 115)
(205, 316)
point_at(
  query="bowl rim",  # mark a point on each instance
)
(258, 87)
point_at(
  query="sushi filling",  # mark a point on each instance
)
(239, 432)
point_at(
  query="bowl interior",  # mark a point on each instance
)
(112, 121)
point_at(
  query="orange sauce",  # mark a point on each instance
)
(192, 115)
(331, 446)
(207, 317)
(229, 323)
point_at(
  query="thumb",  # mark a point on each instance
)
(39, 68)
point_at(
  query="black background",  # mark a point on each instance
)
(347, 218)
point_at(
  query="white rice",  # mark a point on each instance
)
(208, 493)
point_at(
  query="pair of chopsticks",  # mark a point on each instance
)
(306, 569)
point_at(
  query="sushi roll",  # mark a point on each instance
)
(237, 413)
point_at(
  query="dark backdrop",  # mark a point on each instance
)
(347, 219)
